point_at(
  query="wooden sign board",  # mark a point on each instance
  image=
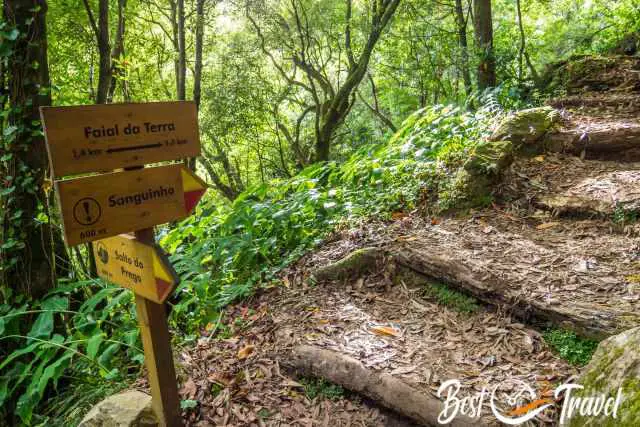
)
(100, 138)
(144, 269)
(102, 206)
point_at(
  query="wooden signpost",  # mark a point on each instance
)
(134, 265)
(101, 138)
(106, 205)
(98, 208)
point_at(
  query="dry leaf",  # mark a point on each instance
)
(385, 330)
(398, 215)
(547, 225)
(189, 389)
(246, 351)
(539, 159)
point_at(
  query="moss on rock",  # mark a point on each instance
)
(526, 129)
(615, 364)
(465, 190)
(357, 263)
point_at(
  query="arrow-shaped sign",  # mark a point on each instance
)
(102, 206)
(144, 269)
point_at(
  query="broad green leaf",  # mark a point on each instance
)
(56, 303)
(42, 327)
(53, 372)
(108, 354)
(93, 345)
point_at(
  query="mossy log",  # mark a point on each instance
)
(525, 129)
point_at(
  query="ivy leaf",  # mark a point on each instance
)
(188, 404)
(9, 130)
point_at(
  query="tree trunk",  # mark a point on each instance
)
(464, 51)
(197, 72)
(174, 40)
(334, 113)
(27, 76)
(104, 49)
(117, 53)
(483, 26)
(182, 54)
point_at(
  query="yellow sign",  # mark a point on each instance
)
(133, 265)
(99, 138)
(102, 206)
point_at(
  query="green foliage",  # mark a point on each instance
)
(225, 251)
(451, 298)
(188, 404)
(78, 343)
(624, 216)
(573, 349)
(318, 387)
(17, 133)
(83, 330)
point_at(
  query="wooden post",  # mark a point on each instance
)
(158, 356)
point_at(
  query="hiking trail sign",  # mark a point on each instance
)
(135, 265)
(106, 205)
(101, 140)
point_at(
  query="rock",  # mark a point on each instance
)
(526, 128)
(357, 263)
(127, 409)
(615, 364)
(490, 158)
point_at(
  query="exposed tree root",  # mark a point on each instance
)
(381, 387)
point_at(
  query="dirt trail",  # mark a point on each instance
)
(558, 249)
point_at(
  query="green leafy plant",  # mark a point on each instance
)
(46, 343)
(318, 387)
(451, 298)
(624, 216)
(569, 346)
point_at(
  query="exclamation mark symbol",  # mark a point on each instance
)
(86, 209)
